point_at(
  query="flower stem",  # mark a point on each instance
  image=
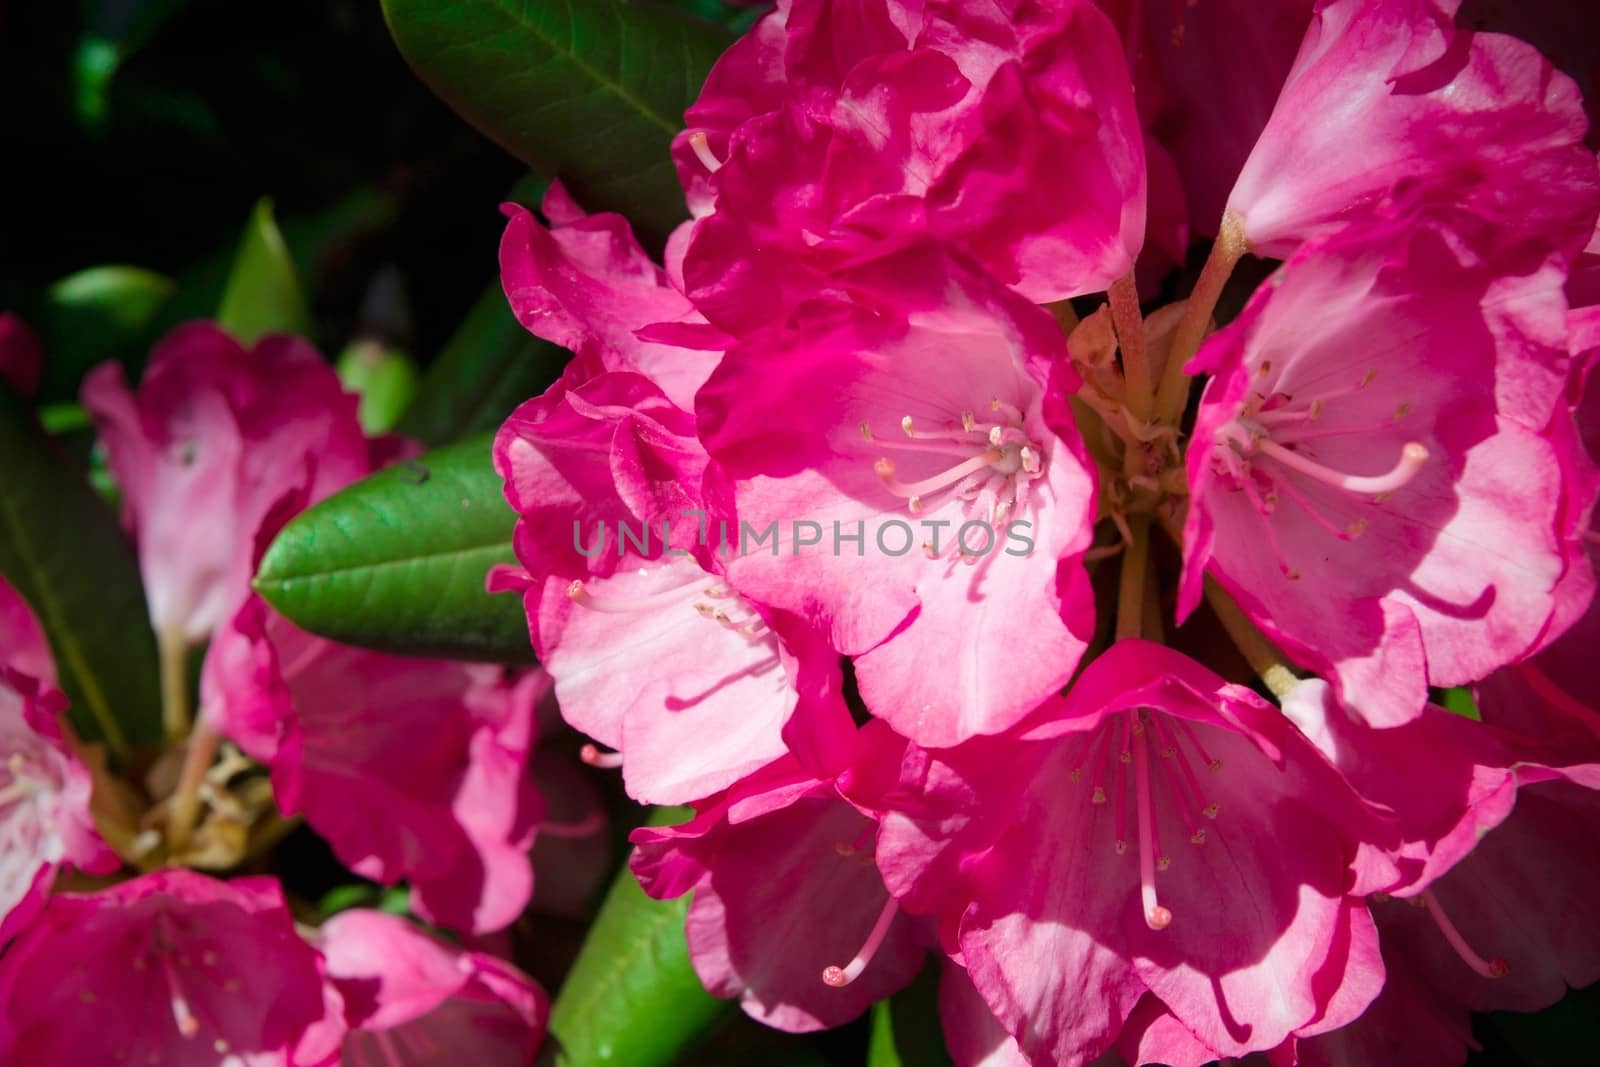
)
(174, 652)
(1130, 590)
(1259, 651)
(185, 809)
(1130, 339)
(1230, 247)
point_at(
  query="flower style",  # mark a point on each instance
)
(172, 967)
(412, 1000)
(44, 788)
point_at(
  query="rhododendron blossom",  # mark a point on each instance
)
(1083, 515)
(853, 429)
(411, 999)
(173, 967)
(44, 799)
(412, 769)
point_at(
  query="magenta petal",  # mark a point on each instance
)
(1386, 96)
(411, 769)
(172, 967)
(213, 440)
(1371, 349)
(405, 991)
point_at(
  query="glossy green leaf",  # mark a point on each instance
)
(102, 313)
(489, 366)
(397, 561)
(632, 996)
(384, 379)
(592, 91)
(62, 549)
(905, 1028)
(263, 293)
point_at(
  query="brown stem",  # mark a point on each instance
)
(1191, 329)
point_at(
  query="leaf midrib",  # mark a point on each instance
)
(378, 564)
(65, 643)
(599, 77)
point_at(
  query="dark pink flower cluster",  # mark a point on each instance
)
(414, 771)
(851, 527)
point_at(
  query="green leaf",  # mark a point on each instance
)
(397, 561)
(98, 314)
(489, 366)
(632, 996)
(116, 30)
(1460, 700)
(63, 551)
(384, 379)
(592, 91)
(905, 1029)
(263, 293)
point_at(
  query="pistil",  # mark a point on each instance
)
(839, 977)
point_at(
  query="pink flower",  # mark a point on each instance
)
(1367, 473)
(1157, 831)
(216, 438)
(1494, 934)
(21, 355)
(1557, 687)
(171, 968)
(411, 769)
(1386, 95)
(834, 133)
(1447, 780)
(413, 1000)
(1206, 76)
(789, 914)
(931, 430)
(652, 653)
(585, 284)
(45, 822)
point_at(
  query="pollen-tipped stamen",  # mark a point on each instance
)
(838, 977)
